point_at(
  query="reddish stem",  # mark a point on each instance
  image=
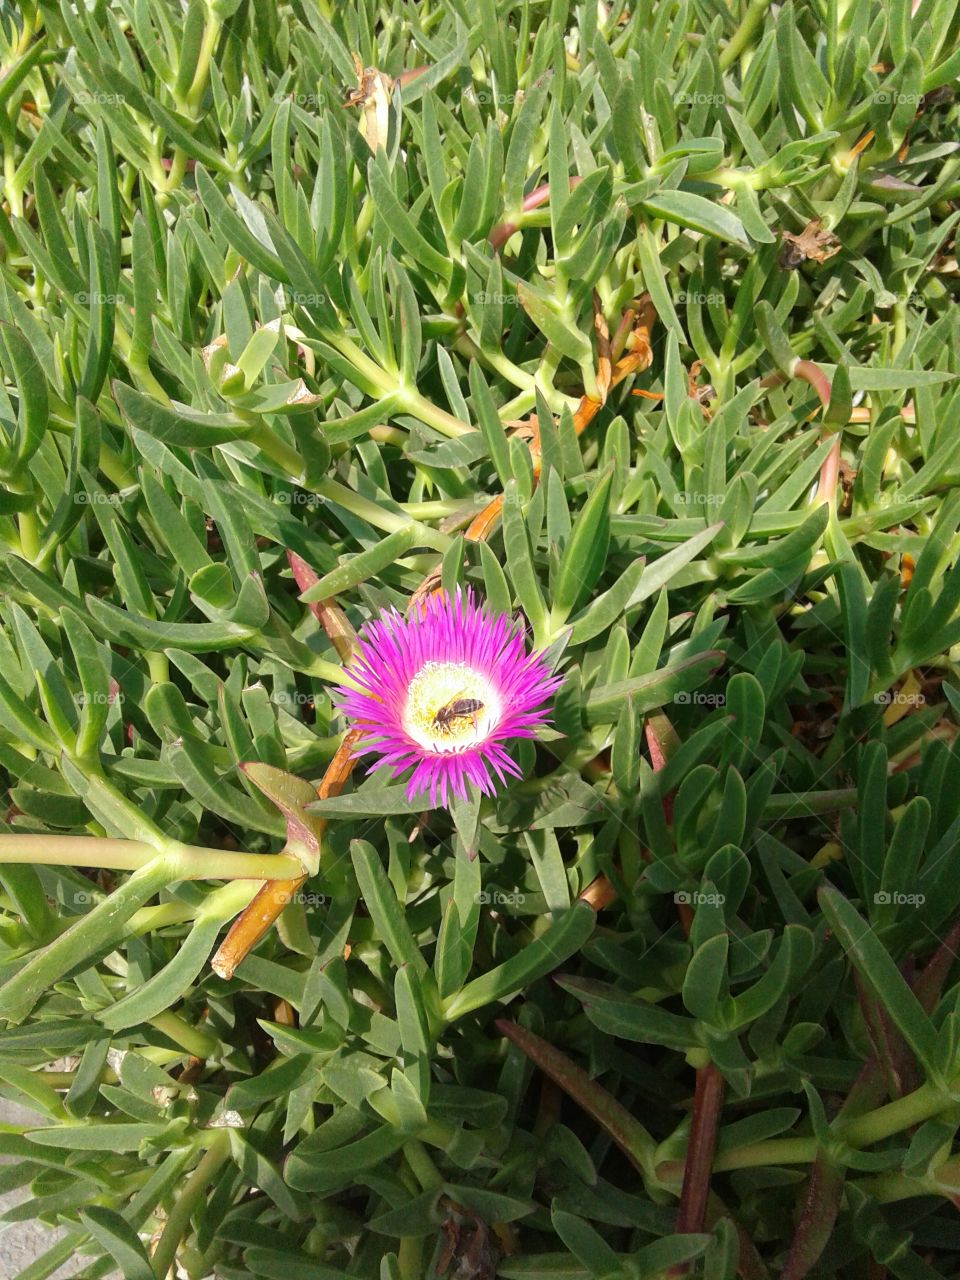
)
(502, 232)
(613, 1118)
(809, 372)
(707, 1102)
(821, 1204)
(327, 612)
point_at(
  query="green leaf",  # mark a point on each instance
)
(165, 988)
(96, 1137)
(630, 1018)
(661, 571)
(19, 362)
(881, 974)
(120, 1241)
(560, 331)
(585, 553)
(655, 689)
(516, 540)
(706, 978)
(693, 211)
(565, 936)
(179, 425)
(381, 902)
(400, 223)
(364, 566)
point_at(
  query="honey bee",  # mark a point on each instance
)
(457, 709)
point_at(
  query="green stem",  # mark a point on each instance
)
(410, 1257)
(225, 902)
(433, 415)
(859, 1131)
(440, 508)
(519, 406)
(377, 378)
(179, 1220)
(201, 1044)
(64, 1079)
(280, 453)
(889, 1187)
(903, 1113)
(804, 803)
(379, 516)
(776, 1151)
(497, 361)
(178, 168)
(744, 33)
(88, 936)
(380, 382)
(425, 1171)
(29, 535)
(159, 667)
(208, 47)
(183, 861)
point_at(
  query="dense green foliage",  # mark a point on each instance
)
(243, 317)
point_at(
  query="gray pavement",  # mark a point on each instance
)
(23, 1242)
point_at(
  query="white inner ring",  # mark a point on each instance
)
(435, 686)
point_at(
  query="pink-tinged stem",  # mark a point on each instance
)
(662, 741)
(890, 1049)
(821, 1204)
(809, 372)
(830, 471)
(615, 1120)
(750, 1265)
(502, 232)
(824, 1191)
(327, 612)
(929, 984)
(707, 1102)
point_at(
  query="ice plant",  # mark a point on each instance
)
(442, 691)
(439, 305)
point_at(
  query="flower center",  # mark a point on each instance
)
(450, 707)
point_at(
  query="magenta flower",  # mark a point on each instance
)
(442, 691)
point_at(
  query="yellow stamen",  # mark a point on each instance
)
(435, 687)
